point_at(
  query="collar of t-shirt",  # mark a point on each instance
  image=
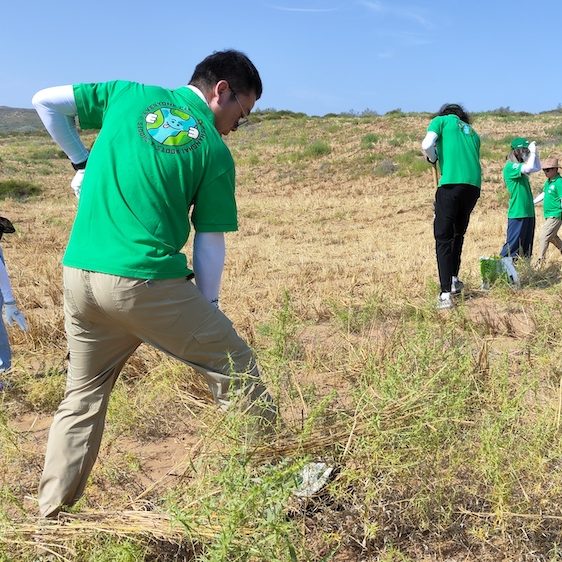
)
(197, 91)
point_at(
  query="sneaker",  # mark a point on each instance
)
(457, 287)
(444, 300)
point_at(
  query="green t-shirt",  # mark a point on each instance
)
(458, 151)
(157, 155)
(520, 197)
(553, 197)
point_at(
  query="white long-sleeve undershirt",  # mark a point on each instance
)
(209, 252)
(538, 198)
(57, 109)
(532, 164)
(428, 145)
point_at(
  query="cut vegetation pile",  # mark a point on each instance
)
(445, 428)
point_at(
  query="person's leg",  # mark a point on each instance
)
(5, 350)
(527, 236)
(555, 239)
(549, 232)
(513, 244)
(468, 196)
(173, 316)
(99, 347)
(443, 230)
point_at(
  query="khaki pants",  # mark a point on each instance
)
(549, 234)
(106, 318)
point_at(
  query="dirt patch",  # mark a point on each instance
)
(32, 425)
(127, 468)
(494, 319)
(160, 461)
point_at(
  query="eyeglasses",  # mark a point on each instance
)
(244, 120)
(549, 169)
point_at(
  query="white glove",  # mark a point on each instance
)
(76, 182)
(532, 146)
(539, 198)
(14, 314)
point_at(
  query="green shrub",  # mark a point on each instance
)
(272, 115)
(394, 113)
(400, 139)
(44, 393)
(317, 149)
(369, 140)
(506, 111)
(113, 549)
(18, 189)
(411, 162)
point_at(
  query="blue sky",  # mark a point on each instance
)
(316, 56)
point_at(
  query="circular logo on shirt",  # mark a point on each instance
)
(170, 128)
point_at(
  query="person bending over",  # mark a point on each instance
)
(158, 161)
(452, 141)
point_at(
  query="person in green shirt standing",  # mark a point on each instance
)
(452, 141)
(521, 161)
(552, 207)
(158, 164)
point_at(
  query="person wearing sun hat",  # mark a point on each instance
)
(521, 161)
(552, 207)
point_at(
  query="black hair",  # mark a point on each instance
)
(6, 226)
(231, 65)
(454, 109)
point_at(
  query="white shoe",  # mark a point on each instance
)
(457, 287)
(444, 301)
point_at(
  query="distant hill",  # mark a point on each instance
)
(19, 120)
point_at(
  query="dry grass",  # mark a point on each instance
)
(433, 419)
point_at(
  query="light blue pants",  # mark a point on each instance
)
(5, 351)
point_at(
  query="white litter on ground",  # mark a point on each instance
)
(313, 477)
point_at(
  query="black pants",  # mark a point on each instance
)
(453, 205)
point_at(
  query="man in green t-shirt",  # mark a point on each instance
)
(158, 161)
(552, 207)
(452, 141)
(521, 161)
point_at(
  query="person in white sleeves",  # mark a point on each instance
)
(11, 312)
(522, 161)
